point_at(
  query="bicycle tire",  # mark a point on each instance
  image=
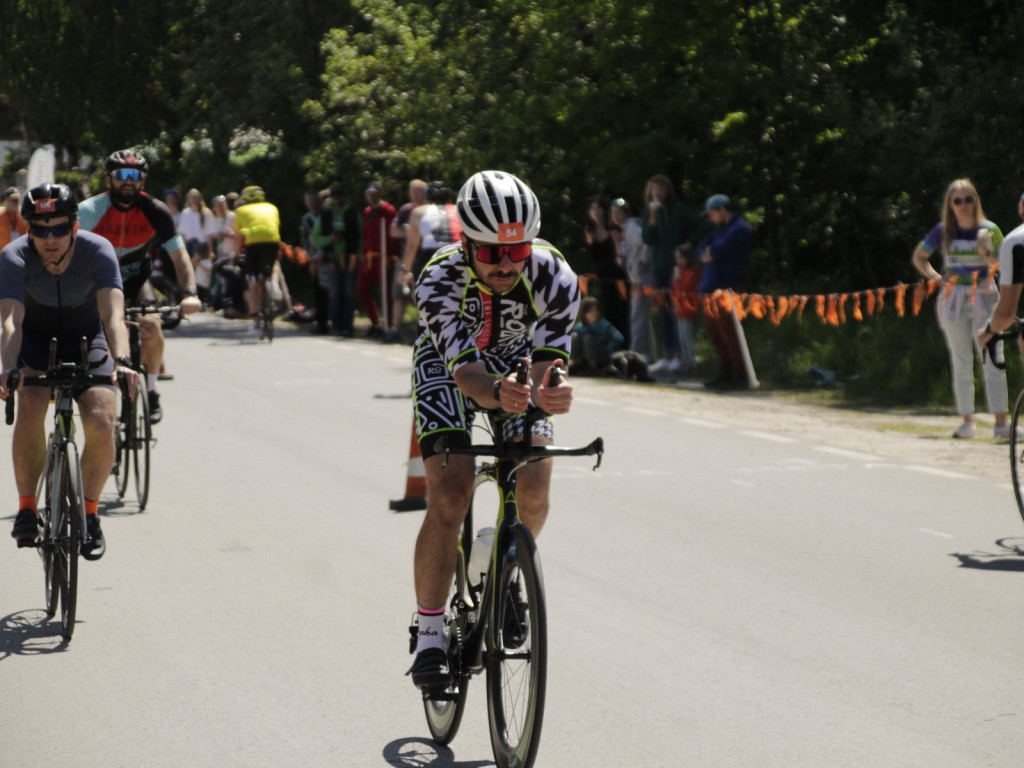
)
(517, 671)
(123, 446)
(68, 526)
(444, 716)
(141, 441)
(44, 492)
(1017, 453)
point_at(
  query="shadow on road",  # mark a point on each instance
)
(29, 633)
(1010, 557)
(423, 753)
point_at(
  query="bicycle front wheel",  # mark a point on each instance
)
(123, 446)
(45, 493)
(517, 656)
(1017, 453)
(141, 440)
(67, 537)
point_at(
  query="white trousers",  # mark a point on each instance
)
(960, 321)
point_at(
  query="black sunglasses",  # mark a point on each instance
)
(57, 230)
(969, 200)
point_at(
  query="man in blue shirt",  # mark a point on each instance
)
(724, 253)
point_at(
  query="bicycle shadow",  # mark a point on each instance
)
(112, 506)
(30, 633)
(424, 753)
(1010, 558)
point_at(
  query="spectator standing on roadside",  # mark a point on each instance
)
(969, 244)
(377, 218)
(314, 203)
(667, 222)
(172, 197)
(604, 255)
(723, 255)
(685, 289)
(337, 233)
(12, 226)
(635, 254)
(196, 222)
(400, 290)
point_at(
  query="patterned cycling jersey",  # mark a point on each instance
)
(466, 322)
(131, 231)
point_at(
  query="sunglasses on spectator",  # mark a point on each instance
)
(57, 230)
(493, 254)
(969, 200)
(127, 174)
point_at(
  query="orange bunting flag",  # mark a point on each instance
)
(772, 314)
(831, 315)
(842, 307)
(920, 291)
(881, 299)
(783, 307)
(820, 300)
(901, 296)
(583, 284)
(933, 285)
(856, 308)
(757, 306)
(869, 300)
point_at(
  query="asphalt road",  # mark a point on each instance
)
(717, 596)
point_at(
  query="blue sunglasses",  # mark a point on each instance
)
(127, 174)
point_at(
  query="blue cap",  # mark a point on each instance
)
(716, 201)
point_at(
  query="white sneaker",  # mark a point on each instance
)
(659, 365)
(967, 430)
(1003, 432)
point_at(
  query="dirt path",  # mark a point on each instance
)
(921, 438)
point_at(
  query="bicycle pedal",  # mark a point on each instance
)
(27, 543)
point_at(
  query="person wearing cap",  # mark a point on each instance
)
(336, 233)
(378, 215)
(724, 254)
(12, 225)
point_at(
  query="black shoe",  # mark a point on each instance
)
(26, 527)
(430, 670)
(155, 412)
(95, 545)
(516, 625)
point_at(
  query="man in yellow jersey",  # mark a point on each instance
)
(258, 224)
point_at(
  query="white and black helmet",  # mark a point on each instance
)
(496, 207)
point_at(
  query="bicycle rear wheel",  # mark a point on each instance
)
(142, 432)
(517, 656)
(1017, 453)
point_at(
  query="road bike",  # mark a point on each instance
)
(60, 499)
(133, 432)
(499, 625)
(996, 350)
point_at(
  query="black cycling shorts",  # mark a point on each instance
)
(260, 258)
(35, 355)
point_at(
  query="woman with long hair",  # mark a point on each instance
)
(969, 245)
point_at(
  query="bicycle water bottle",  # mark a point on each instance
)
(480, 557)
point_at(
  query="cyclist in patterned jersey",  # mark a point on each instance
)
(133, 221)
(57, 282)
(495, 297)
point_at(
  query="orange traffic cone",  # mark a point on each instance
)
(415, 481)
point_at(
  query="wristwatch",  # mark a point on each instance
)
(189, 293)
(123, 360)
(497, 389)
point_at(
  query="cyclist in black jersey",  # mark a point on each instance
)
(498, 295)
(57, 282)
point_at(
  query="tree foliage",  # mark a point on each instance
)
(836, 126)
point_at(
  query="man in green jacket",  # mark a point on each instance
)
(337, 233)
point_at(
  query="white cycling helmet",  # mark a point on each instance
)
(496, 207)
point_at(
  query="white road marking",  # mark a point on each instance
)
(846, 454)
(767, 436)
